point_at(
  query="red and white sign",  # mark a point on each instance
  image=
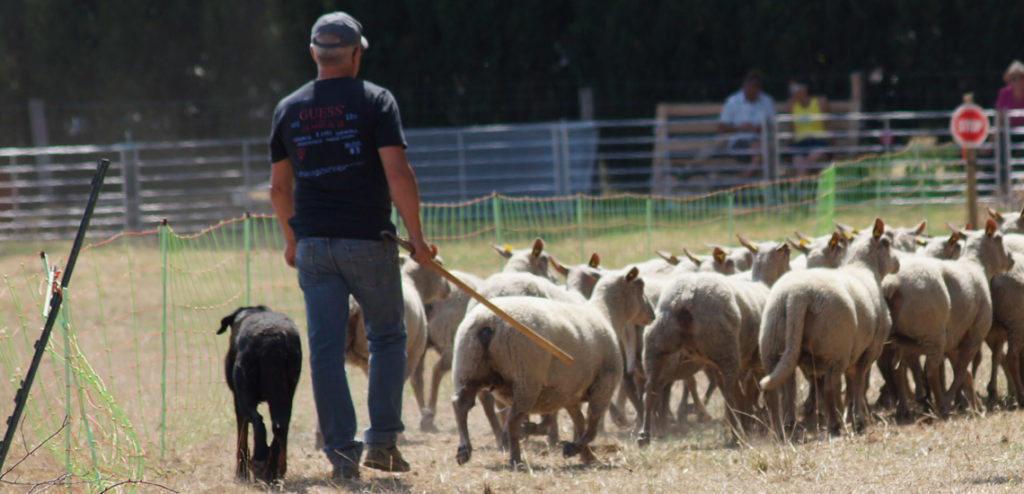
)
(969, 126)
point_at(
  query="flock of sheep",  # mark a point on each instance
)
(747, 317)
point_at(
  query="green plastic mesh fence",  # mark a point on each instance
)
(136, 367)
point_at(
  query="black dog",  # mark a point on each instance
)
(262, 364)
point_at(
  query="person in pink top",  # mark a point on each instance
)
(1011, 96)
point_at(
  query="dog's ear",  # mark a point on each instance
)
(225, 322)
(229, 320)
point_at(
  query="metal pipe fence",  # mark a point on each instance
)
(197, 183)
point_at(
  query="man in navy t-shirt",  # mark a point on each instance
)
(338, 154)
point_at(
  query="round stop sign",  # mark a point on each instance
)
(969, 125)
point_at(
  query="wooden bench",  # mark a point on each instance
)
(691, 157)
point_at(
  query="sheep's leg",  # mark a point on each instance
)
(684, 404)
(698, 402)
(812, 406)
(548, 426)
(904, 408)
(618, 418)
(579, 426)
(651, 399)
(856, 380)
(920, 379)
(830, 394)
(487, 403)
(442, 366)
(416, 381)
(618, 414)
(633, 393)
(595, 411)
(736, 408)
(961, 374)
(772, 400)
(995, 344)
(712, 385)
(888, 395)
(523, 398)
(1013, 372)
(933, 369)
(463, 401)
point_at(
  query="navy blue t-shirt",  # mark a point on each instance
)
(331, 130)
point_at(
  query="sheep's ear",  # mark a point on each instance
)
(784, 247)
(921, 227)
(632, 274)
(953, 238)
(746, 243)
(669, 258)
(503, 250)
(719, 254)
(564, 271)
(879, 228)
(920, 241)
(801, 237)
(990, 227)
(1022, 212)
(595, 260)
(538, 246)
(845, 231)
(996, 215)
(689, 255)
(836, 239)
(797, 245)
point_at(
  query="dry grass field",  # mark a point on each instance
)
(968, 453)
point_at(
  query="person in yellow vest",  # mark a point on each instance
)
(809, 137)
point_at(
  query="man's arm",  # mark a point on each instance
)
(282, 197)
(406, 196)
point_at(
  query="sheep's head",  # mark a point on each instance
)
(234, 320)
(581, 278)
(827, 252)
(533, 260)
(987, 247)
(906, 239)
(942, 247)
(429, 283)
(723, 260)
(1009, 222)
(771, 261)
(639, 305)
(876, 251)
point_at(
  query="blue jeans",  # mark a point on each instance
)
(329, 270)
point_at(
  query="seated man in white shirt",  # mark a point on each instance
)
(744, 114)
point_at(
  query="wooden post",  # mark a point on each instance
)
(972, 186)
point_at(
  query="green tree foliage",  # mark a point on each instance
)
(464, 62)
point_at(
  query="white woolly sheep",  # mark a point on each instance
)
(944, 309)
(443, 317)
(830, 322)
(714, 319)
(490, 354)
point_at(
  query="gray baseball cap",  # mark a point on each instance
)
(348, 30)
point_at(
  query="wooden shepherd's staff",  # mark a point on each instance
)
(522, 328)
